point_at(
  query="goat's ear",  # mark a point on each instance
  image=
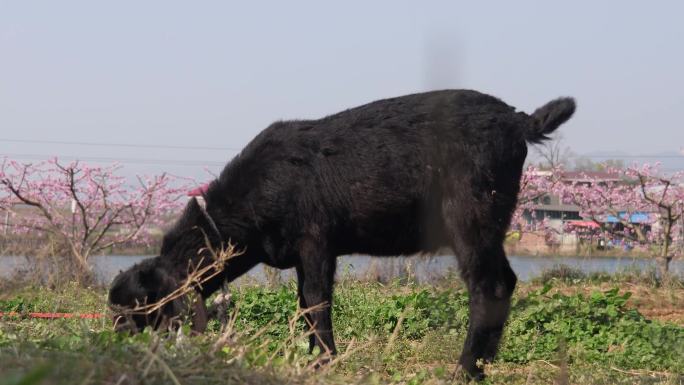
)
(156, 282)
(148, 276)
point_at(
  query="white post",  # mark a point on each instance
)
(6, 223)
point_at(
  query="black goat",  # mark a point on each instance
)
(398, 176)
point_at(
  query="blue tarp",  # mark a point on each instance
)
(637, 217)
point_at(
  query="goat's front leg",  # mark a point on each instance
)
(315, 273)
(234, 267)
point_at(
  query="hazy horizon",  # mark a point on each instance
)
(212, 75)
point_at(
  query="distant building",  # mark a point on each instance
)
(559, 216)
(550, 208)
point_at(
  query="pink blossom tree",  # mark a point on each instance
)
(663, 195)
(88, 209)
(535, 184)
(638, 190)
(598, 199)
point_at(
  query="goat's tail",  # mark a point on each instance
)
(548, 117)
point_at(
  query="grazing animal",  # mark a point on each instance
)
(399, 176)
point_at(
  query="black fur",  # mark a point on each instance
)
(397, 176)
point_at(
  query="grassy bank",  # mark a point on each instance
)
(544, 251)
(569, 330)
(46, 246)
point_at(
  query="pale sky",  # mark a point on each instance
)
(213, 74)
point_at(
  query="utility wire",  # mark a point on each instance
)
(129, 145)
(175, 162)
(235, 149)
(629, 156)
(170, 162)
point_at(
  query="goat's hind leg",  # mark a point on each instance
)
(490, 281)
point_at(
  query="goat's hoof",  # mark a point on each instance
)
(463, 374)
(321, 362)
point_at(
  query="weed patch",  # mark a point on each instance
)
(388, 334)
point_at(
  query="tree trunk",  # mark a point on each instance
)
(79, 269)
(663, 265)
(663, 261)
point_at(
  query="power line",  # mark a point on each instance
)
(129, 145)
(214, 148)
(174, 162)
(178, 147)
(629, 156)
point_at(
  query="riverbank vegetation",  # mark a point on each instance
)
(564, 328)
(71, 211)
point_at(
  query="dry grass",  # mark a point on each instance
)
(240, 351)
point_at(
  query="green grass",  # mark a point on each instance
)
(575, 337)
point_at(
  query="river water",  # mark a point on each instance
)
(421, 268)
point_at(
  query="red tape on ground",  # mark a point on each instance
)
(51, 315)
